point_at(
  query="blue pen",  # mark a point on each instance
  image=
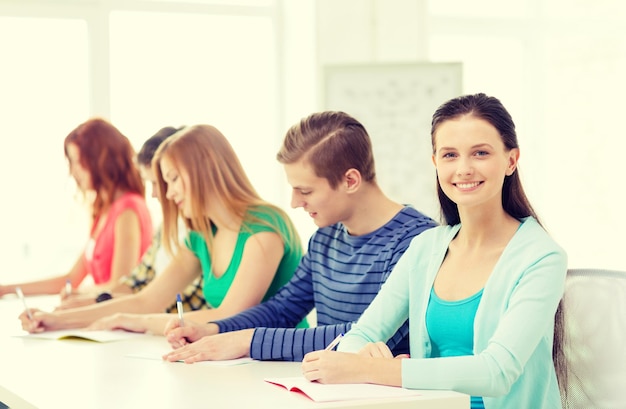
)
(179, 307)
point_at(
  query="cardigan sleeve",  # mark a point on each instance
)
(522, 315)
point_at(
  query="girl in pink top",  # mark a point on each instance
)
(101, 160)
(100, 251)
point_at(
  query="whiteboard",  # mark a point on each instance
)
(395, 103)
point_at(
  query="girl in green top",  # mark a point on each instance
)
(267, 220)
(245, 247)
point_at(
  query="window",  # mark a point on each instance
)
(143, 65)
(44, 94)
(183, 69)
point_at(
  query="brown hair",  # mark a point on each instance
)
(332, 142)
(149, 147)
(109, 157)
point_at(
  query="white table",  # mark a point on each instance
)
(51, 374)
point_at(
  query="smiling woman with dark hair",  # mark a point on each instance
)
(480, 292)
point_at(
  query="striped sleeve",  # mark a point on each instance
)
(288, 307)
(291, 344)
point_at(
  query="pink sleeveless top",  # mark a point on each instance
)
(99, 251)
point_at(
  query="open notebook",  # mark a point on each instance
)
(337, 392)
(97, 336)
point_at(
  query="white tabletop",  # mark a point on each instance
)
(51, 374)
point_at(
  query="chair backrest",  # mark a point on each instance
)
(594, 308)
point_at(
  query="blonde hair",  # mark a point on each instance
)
(215, 176)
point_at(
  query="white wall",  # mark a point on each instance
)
(557, 65)
(143, 64)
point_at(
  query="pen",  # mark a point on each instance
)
(68, 287)
(20, 294)
(179, 307)
(334, 343)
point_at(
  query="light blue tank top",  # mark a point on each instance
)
(450, 325)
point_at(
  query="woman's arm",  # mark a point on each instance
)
(340, 367)
(260, 259)
(261, 256)
(126, 248)
(155, 297)
(81, 299)
(52, 285)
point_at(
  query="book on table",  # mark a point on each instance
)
(320, 392)
(87, 335)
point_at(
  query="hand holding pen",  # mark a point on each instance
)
(68, 288)
(33, 320)
(180, 333)
(334, 343)
(176, 326)
(20, 295)
(179, 308)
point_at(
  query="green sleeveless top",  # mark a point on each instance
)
(215, 288)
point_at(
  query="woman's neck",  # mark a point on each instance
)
(485, 228)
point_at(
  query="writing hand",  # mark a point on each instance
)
(376, 350)
(35, 324)
(126, 322)
(343, 367)
(179, 336)
(334, 367)
(229, 345)
(64, 294)
(76, 300)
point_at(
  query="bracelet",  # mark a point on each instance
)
(103, 297)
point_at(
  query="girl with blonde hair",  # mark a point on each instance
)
(244, 248)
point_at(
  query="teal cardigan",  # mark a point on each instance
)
(513, 329)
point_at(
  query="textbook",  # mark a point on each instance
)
(87, 335)
(320, 392)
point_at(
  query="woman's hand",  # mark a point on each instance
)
(75, 301)
(372, 364)
(179, 336)
(37, 321)
(126, 322)
(335, 367)
(376, 350)
(229, 345)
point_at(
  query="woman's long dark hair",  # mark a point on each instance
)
(514, 200)
(490, 109)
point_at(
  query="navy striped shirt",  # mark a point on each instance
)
(338, 276)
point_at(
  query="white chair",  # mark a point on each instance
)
(594, 308)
